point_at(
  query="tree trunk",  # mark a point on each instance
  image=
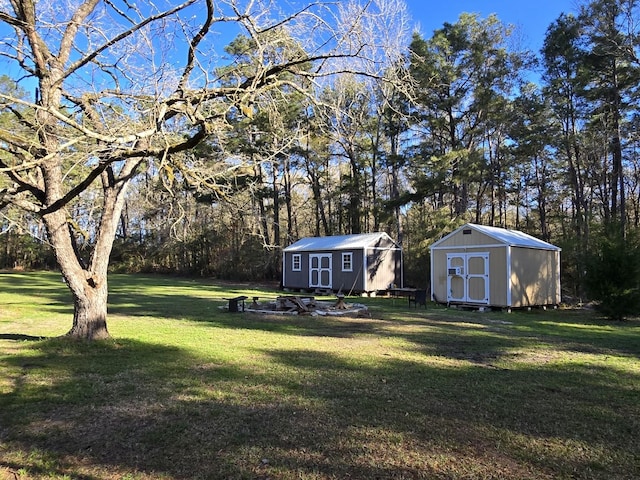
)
(89, 289)
(355, 197)
(264, 224)
(90, 312)
(314, 175)
(291, 220)
(276, 203)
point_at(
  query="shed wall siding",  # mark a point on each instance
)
(498, 278)
(344, 280)
(296, 279)
(534, 277)
(384, 268)
(381, 267)
(439, 275)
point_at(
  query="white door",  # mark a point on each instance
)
(468, 277)
(320, 270)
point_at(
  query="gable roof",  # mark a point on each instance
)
(512, 238)
(339, 242)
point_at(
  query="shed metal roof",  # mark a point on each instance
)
(338, 242)
(513, 238)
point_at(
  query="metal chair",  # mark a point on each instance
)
(418, 298)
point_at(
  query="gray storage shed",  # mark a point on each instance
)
(351, 263)
(480, 265)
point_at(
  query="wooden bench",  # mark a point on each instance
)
(235, 301)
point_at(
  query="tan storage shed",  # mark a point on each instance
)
(479, 265)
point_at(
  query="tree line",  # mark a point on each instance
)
(276, 139)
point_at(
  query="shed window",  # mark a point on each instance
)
(347, 262)
(466, 231)
(296, 262)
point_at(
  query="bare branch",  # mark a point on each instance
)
(118, 38)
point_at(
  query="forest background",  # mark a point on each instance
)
(481, 131)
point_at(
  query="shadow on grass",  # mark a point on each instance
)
(127, 406)
(123, 404)
(583, 331)
(544, 420)
(173, 297)
(20, 337)
(136, 295)
(489, 334)
(46, 288)
(180, 298)
(124, 408)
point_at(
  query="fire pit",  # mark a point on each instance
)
(305, 305)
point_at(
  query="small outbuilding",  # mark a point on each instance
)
(350, 263)
(480, 265)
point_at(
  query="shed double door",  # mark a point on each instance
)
(320, 270)
(468, 278)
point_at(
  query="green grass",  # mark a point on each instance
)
(185, 390)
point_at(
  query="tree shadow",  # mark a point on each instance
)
(429, 406)
(20, 337)
(125, 406)
(121, 403)
(486, 335)
(582, 331)
(46, 288)
(210, 307)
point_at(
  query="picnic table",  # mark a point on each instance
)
(413, 295)
(402, 292)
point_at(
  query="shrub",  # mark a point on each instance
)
(613, 274)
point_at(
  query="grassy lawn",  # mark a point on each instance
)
(185, 390)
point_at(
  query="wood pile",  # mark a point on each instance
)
(291, 303)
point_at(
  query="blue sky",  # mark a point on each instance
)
(532, 17)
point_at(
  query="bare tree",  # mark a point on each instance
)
(354, 107)
(116, 84)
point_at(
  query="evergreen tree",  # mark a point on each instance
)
(613, 273)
